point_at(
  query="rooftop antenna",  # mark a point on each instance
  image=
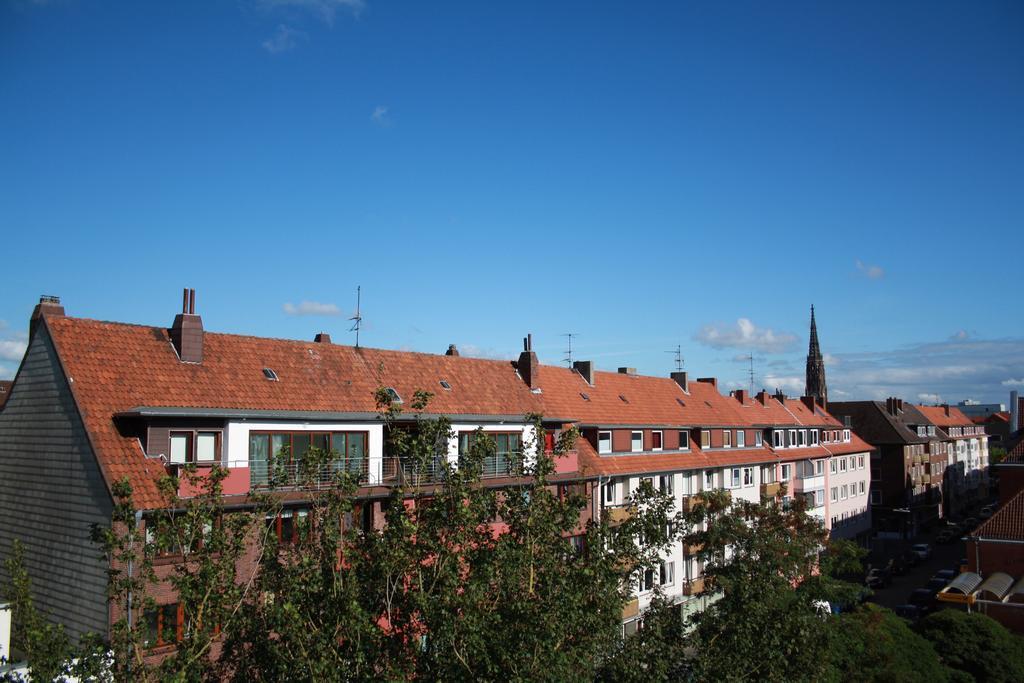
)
(751, 358)
(568, 350)
(357, 317)
(678, 352)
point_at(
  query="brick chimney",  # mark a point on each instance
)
(894, 406)
(48, 306)
(452, 350)
(742, 395)
(763, 397)
(681, 379)
(713, 381)
(586, 370)
(945, 408)
(809, 402)
(528, 365)
(187, 330)
(627, 371)
(322, 338)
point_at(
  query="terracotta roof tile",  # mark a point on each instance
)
(1007, 523)
(937, 416)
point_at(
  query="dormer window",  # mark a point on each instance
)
(777, 438)
(741, 438)
(637, 442)
(604, 442)
(705, 438)
(727, 438)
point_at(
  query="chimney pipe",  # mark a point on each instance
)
(809, 402)
(742, 396)
(681, 380)
(627, 371)
(184, 300)
(763, 397)
(586, 370)
(528, 365)
(322, 338)
(452, 351)
(187, 330)
(713, 381)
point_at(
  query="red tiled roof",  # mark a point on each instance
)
(116, 367)
(648, 400)
(937, 416)
(1007, 524)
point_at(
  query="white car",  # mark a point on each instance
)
(922, 550)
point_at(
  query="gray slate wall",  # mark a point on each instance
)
(51, 492)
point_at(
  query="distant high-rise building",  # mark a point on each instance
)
(816, 386)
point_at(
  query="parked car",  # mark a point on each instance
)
(922, 598)
(899, 565)
(911, 612)
(922, 550)
(947, 536)
(946, 575)
(911, 558)
(936, 584)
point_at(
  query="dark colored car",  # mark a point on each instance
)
(946, 575)
(899, 565)
(912, 559)
(922, 598)
(936, 584)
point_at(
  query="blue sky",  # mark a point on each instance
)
(642, 174)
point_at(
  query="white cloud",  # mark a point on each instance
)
(960, 335)
(474, 351)
(380, 116)
(929, 398)
(745, 335)
(869, 271)
(283, 40)
(1013, 382)
(830, 360)
(324, 10)
(311, 308)
(12, 349)
(952, 369)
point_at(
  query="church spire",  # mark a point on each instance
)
(816, 386)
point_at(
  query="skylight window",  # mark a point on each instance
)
(624, 399)
(393, 395)
(445, 385)
(585, 397)
(270, 374)
(680, 402)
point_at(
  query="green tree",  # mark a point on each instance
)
(996, 455)
(880, 647)
(775, 569)
(975, 644)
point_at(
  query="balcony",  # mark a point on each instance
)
(620, 513)
(693, 587)
(299, 475)
(631, 609)
(770, 490)
(693, 548)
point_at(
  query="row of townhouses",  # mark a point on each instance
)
(94, 402)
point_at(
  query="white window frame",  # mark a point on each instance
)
(758, 438)
(726, 438)
(705, 433)
(741, 438)
(814, 437)
(609, 492)
(860, 462)
(861, 487)
(661, 437)
(801, 438)
(835, 494)
(734, 478)
(632, 440)
(709, 480)
(846, 435)
(792, 438)
(844, 492)
(832, 465)
(684, 439)
(819, 467)
(666, 483)
(787, 471)
(748, 477)
(599, 440)
(668, 573)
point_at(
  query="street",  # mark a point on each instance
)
(943, 557)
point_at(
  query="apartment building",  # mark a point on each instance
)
(95, 402)
(965, 470)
